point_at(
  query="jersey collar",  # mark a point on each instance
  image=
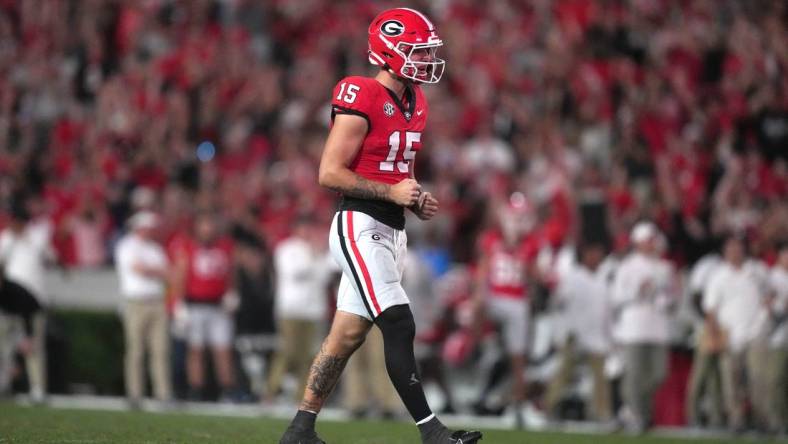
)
(410, 93)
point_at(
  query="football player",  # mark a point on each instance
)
(377, 125)
(203, 287)
(506, 262)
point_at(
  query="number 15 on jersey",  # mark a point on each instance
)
(408, 154)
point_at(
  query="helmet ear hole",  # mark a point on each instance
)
(388, 54)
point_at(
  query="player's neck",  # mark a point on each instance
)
(391, 82)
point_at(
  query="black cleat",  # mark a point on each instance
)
(296, 435)
(463, 437)
(446, 436)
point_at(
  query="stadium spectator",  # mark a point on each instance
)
(254, 320)
(303, 269)
(17, 304)
(144, 271)
(582, 297)
(643, 296)
(736, 313)
(88, 230)
(504, 273)
(203, 282)
(778, 344)
(705, 380)
(24, 251)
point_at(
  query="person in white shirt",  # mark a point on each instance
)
(736, 316)
(643, 296)
(302, 268)
(777, 378)
(582, 296)
(24, 251)
(143, 270)
(705, 379)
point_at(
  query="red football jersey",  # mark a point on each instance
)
(508, 265)
(395, 128)
(209, 269)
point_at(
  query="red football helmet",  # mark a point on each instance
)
(406, 41)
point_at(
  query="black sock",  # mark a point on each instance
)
(305, 420)
(398, 328)
(430, 427)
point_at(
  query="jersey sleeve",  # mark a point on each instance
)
(352, 95)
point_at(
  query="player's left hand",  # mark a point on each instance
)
(426, 207)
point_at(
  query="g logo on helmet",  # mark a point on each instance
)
(392, 28)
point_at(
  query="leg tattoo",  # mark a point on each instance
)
(323, 377)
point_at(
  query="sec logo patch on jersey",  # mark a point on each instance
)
(388, 109)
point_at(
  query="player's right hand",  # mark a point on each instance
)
(406, 192)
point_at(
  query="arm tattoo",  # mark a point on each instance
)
(365, 189)
(325, 373)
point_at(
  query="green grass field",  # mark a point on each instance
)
(45, 425)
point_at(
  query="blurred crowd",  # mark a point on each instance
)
(598, 113)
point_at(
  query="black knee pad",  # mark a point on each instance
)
(397, 323)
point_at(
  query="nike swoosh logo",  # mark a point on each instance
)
(418, 113)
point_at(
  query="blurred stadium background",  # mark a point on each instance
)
(601, 113)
